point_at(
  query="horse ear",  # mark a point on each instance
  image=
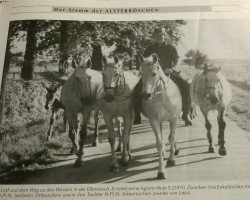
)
(116, 59)
(141, 58)
(155, 58)
(89, 63)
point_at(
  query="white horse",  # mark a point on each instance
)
(161, 102)
(77, 96)
(118, 87)
(211, 91)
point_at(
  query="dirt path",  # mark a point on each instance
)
(194, 163)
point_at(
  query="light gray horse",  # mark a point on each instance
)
(77, 97)
(118, 88)
(211, 91)
(161, 102)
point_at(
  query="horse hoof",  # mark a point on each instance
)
(119, 149)
(176, 152)
(170, 163)
(124, 163)
(113, 169)
(161, 176)
(94, 144)
(130, 157)
(78, 163)
(222, 151)
(211, 150)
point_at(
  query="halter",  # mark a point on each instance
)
(159, 80)
(211, 87)
(116, 82)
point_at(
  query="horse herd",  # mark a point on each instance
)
(111, 92)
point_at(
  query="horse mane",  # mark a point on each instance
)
(199, 84)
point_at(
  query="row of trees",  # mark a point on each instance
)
(195, 58)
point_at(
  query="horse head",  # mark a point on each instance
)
(83, 81)
(212, 83)
(113, 77)
(50, 96)
(151, 75)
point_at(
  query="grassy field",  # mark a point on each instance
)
(239, 109)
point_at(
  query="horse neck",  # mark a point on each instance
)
(122, 87)
(97, 82)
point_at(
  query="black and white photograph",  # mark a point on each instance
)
(86, 102)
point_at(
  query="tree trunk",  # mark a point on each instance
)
(64, 37)
(4, 77)
(28, 65)
(96, 57)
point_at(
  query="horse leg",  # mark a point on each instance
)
(51, 124)
(111, 138)
(155, 124)
(128, 144)
(126, 154)
(208, 127)
(82, 135)
(72, 120)
(222, 126)
(119, 129)
(96, 134)
(172, 142)
(164, 146)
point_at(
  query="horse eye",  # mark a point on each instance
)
(89, 77)
(153, 74)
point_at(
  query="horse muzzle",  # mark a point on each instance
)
(86, 101)
(213, 100)
(109, 97)
(146, 96)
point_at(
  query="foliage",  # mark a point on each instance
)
(195, 58)
(130, 37)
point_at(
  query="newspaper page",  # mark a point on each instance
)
(115, 99)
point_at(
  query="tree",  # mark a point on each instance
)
(28, 64)
(195, 58)
(14, 27)
(64, 40)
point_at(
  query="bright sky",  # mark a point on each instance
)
(223, 38)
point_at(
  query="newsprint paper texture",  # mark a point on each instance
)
(46, 48)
